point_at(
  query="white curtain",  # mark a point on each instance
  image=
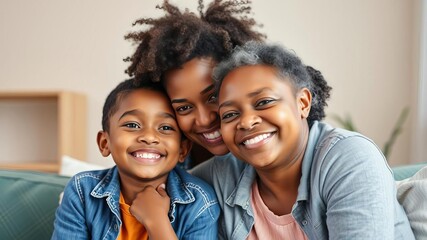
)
(420, 131)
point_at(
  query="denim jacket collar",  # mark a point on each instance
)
(109, 187)
(240, 196)
(304, 186)
(177, 191)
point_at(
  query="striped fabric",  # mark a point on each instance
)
(28, 201)
(412, 194)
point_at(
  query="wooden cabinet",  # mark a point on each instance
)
(37, 128)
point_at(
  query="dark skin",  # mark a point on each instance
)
(158, 227)
(263, 121)
(146, 144)
(196, 106)
(170, 45)
(279, 189)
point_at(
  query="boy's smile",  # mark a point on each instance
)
(261, 116)
(147, 156)
(143, 138)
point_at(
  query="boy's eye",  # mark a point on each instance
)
(166, 128)
(132, 125)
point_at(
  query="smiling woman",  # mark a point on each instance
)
(301, 177)
(257, 117)
(180, 49)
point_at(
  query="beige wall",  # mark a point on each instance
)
(366, 49)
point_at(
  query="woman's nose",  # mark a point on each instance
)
(248, 121)
(206, 116)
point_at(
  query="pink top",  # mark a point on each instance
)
(270, 226)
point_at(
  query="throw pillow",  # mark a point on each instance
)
(412, 194)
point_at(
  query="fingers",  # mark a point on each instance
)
(161, 190)
(150, 203)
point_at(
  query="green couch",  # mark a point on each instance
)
(28, 201)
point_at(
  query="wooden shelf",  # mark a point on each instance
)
(36, 126)
(39, 167)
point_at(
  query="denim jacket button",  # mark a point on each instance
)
(116, 227)
(304, 222)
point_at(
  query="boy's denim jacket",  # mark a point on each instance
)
(90, 206)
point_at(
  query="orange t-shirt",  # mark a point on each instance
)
(270, 226)
(131, 228)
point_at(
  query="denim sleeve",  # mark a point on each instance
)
(69, 218)
(358, 190)
(205, 224)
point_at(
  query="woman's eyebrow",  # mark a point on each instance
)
(178, 100)
(258, 91)
(210, 87)
(224, 104)
(251, 94)
(204, 91)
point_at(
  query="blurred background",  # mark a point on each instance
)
(373, 54)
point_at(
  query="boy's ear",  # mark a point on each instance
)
(102, 140)
(304, 102)
(184, 149)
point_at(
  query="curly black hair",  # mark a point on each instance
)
(288, 66)
(321, 92)
(177, 37)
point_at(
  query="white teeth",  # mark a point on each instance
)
(212, 135)
(257, 139)
(147, 155)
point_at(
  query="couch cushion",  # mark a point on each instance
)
(28, 202)
(71, 166)
(406, 171)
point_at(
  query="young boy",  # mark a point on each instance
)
(141, 134)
